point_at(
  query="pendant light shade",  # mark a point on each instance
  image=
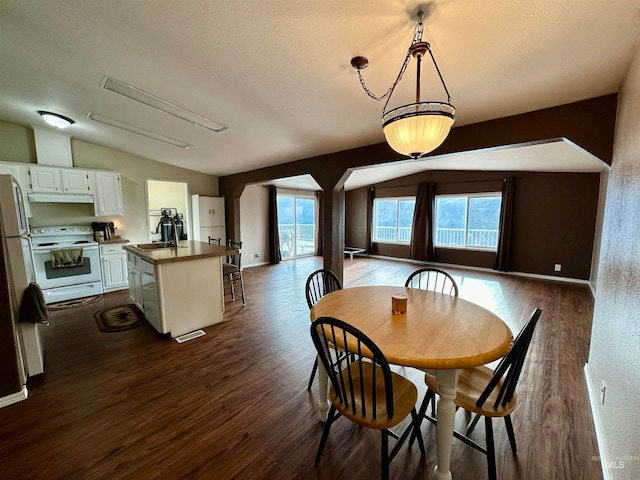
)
(417, 128)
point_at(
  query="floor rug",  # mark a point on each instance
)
(76, 302)
(117, 319)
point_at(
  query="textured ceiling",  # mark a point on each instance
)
(277, 72)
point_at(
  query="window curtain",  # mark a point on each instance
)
(503, 252)
(319, 222)
(421, 246)
(371, 194)
(274, 240)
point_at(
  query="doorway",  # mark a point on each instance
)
(297, 225)
(163, 195)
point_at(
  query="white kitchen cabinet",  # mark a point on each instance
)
(208, 217)
(45, 179)
(135, 281)
(114, 267)
(75, 180)
(150, 299)
(67, 181)
(108, 194)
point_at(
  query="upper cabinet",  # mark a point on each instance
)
(45, 180)
(76, 181)
(59, 180)
(108, 194)
(42, 183)
(208, 211)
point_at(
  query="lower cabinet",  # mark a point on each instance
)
(135, 281)
(114, 268)
(150, 295)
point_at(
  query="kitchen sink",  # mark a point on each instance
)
(156, 246)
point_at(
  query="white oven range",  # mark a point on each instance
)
(67, 262)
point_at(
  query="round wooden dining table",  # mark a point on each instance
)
(438, 332)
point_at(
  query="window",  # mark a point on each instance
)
(468, 221)
(392, 219)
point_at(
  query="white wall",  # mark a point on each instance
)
(615, 342)
(254, 229)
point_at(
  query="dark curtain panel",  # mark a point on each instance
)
(320, 229)
(503, 253)
(421, 246)
(274, 239)
(371, 194)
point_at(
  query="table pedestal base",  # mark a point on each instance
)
(447, 384)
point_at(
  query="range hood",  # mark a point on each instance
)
(59, 198)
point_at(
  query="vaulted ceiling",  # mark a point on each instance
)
(277, 73)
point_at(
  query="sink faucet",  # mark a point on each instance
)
(175, 234)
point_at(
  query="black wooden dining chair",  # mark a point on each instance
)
(232, 270)
(489, 393)
(214, 241)
(429, 278)
(319, 283)
(363, 388)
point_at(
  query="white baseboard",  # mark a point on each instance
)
(254, 265)
(593, 401)
(14, 397)
(484, 269)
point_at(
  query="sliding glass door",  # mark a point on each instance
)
(296, 225)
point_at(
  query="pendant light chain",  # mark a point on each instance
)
(417, 38)
(417, 128)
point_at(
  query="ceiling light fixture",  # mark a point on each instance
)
(158, 103)
(140, 131)
(417, 128)
(55, 120)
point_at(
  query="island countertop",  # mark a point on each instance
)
(187, 250)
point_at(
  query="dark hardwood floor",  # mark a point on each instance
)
(234, 404)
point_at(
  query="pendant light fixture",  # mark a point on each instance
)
(417, 128)
(55, 120)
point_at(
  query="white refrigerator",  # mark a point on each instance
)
(19, 341)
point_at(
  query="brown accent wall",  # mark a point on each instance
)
(554, 218)
(589, 123)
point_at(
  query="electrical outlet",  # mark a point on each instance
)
(142, 226)
(603, 390)
(557, 267)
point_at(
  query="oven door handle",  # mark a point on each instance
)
(49, 249)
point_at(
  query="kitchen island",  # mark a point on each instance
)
(179, 289)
